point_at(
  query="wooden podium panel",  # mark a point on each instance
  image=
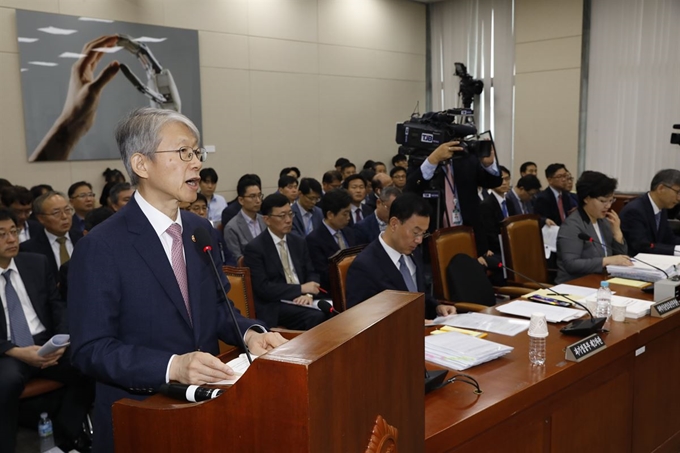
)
(320, 392)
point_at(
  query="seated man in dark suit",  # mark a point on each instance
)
(308, 215)
(234, 206)
(644, 221)
(370, 228)
(32, 314)
(19, 200)
(394, 261)
(331, 180)
(333, 235)
(555, 203)
(355, 185)
(519, 197)
(57, 239)
(248, 223)
(281, 269)
(81, 196)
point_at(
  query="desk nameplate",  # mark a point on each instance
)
(585, 348)
(665, 307)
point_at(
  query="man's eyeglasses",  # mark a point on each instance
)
(419, 235)
(82, 196)
(58, 213)
(11, 233)
(283, 215)
(254, 196)
(186, 153)
(312, 199)
(677, 192)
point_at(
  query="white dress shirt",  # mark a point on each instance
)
(34, 323)
(395, 256)
(55, 246)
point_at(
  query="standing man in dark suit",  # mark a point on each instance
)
(308, 215)
(281, 269)
(519, 197)
(144, 307)
(57, 239)
(355, 185)
(644, 221)
(333, 235)
(456, 174)
(555, 203)
(248, 223)
(494, 210)
(370, 228)
(394, 261)
(32, 313)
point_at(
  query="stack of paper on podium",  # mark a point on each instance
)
(459, 351)
(645, 272)
(552, 313)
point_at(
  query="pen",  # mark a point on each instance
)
(551, 301)
(323, 290)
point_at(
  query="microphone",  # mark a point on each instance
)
(587, 238)
(203, 240)
(327, 308)
(192, 393)
(578, 327)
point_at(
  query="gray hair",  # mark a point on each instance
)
(40, 201)
(388, 192)
(115, 191)
(670, 177)
(140, 132)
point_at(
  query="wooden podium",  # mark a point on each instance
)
(352, 384)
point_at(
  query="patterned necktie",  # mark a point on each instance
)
(406, 275)
(179, 266)
(20, 332)
(560, 206)
(286, 264)
(504, 208)
(308, 224)
(341, 240)
(63, 253)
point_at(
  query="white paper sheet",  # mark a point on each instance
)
(488, 323)
(552, 313)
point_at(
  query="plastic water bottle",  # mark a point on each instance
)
(45, 432)
(538, 334)
(604, 301)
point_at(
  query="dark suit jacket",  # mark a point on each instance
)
(321, 246)
(40, 244)
(299, 224)
(367, 230)
(269, 281)
(41, 287)
(491, 216)
(468, 175)
(228, 213)
(127, 314)
(372, 272)
(639, 229)
(515, 204)
(365, 212)
(545, 205)
(575, 257)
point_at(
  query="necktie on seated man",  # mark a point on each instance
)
(406, 274)
(286, 264)
(341, 240)
(308, 223)
(657, 219)
(504, 208)
(560, 207)
(357, 215)
(63, 252)
(20, 332)
(179, 266)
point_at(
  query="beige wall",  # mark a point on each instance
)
(547, 82)
(283, 82)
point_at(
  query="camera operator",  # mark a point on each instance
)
(456, 174)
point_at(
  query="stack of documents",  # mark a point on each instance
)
(488, 323)
(635, 308)
(459, 351)
(552, 313)
(240, 365)
(563, 291)
(645, 272)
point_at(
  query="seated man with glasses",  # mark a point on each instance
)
(281, 269)
(248, 223)
(308, 215)
(19, 200)
(57, 239)
(82, 199)
(644, 221)
(395, 260)
(554, 203)
(594, 218)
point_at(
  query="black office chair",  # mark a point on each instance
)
(468, 282)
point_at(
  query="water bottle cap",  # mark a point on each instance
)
(43, 415)
(605, 284)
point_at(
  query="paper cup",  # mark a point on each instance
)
(538, 326)
(618, 311)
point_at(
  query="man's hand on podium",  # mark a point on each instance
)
(260, 343)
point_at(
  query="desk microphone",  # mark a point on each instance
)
(192, 393)
(578, 327)
(585, 237)
(203, 241)
(327, 308)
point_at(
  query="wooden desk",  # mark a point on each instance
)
(615, 401)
